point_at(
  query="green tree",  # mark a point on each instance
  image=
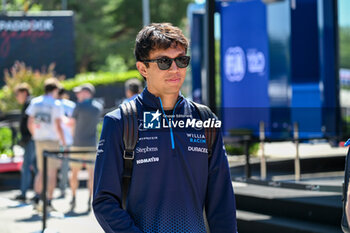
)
(105, 30)
(128, 18)
(92, 30)
(344, 47)
(21, 5)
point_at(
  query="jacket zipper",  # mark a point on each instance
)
(166, 118)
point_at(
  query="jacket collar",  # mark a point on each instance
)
(151, 101)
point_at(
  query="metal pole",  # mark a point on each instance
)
(44, 189)
(146, 12)
(297, 158)
(336, 70)
(210, 54)
(262, 145)
(247, 162)
(64, 4)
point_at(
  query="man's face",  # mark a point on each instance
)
(83, 95)
(164, 82)
(21, 97)
(55, 93)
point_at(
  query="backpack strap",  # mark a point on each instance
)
(210, 133)
(130, 137)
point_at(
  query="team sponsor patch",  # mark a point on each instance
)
(148, 138)
(100, 146)
(148, 160)
(198, 149)
(146, 149)
(196, 138)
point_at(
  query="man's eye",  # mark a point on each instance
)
(164, 60)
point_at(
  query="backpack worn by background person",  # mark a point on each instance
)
(344, 222)
(130, 138)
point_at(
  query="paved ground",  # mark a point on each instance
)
(16, 217)
(279, 150)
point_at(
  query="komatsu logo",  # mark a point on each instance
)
(148, 160)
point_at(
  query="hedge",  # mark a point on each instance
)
(100, 78)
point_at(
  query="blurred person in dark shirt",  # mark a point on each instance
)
(23, 97)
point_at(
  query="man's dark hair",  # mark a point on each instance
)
(50, 85)
(62, 91)
(134, 85)
(158, 36)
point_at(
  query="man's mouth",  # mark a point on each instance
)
(173, 80)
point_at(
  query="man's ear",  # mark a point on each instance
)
(142, 68)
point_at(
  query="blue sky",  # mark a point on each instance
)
(343, 12)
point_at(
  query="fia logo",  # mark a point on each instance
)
(235, 64)
(151, 120)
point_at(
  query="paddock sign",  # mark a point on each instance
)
(38, 40)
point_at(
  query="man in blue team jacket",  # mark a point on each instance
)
(173, 179)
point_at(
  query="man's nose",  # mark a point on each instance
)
(173, 66)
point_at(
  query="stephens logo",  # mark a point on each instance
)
(146, 149)
(151, 120)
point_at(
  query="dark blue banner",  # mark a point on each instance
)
(38, 40)
(197, 55)
(244, 65)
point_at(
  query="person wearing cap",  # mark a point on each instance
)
(45, 114)
(85, 118)
(133, 87)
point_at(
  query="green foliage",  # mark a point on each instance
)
(100, 78)
(114, 63)
(106, 29)
(239, 150)
(344, 47)
(21, 5)
(20, 73)
(127, 16)
(5, 141)
(99, 129)
(217, 73)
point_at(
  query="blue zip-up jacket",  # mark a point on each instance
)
(172, 181)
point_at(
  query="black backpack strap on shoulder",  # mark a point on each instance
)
(210, 133)
(130, 137)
